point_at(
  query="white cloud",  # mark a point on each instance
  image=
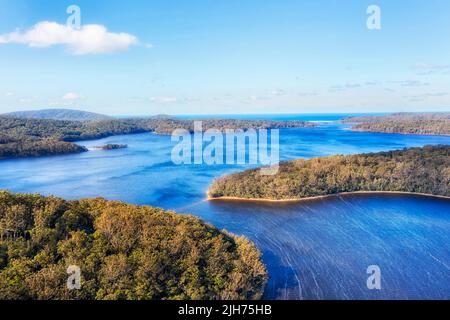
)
(425, 96)
(308, 94)
(430, 66)
(90, 39)
(432, 69)
(411, 83)
(258, 98)
(164, 99)
(172, 99)
(71, 96)
(26, 100)
(346, 86)
(278, 92)
(372, 83)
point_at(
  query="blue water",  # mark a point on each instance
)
(313, 250)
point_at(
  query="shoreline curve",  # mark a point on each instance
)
(322, 197)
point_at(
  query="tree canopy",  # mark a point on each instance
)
(417, 170)
(123, 252)
(404, 123)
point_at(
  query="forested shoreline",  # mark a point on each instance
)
(21, 137)
(403, 123)
(42, 137)
(416, 170)
(123, 251)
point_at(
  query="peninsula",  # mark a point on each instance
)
(415, 170)
(403, 123)
(123, 252)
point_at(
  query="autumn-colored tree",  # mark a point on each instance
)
(419, 170)
(123, 252)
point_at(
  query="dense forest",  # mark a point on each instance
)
(37, 148)
(38, 137)
(123, 251)
(404, 123)
(418, 170)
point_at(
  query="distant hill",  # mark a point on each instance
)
(437, 123)
(59, 114)
(400, 116)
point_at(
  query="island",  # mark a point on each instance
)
(423, 171)
(20, 137)
(403, 123)
(122, 251)
(111, 146)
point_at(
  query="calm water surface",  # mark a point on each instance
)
(314, 250)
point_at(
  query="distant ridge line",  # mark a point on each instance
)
(59, 114)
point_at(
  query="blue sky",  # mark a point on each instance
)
(225, 56)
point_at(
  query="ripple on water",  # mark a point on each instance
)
(321, 249)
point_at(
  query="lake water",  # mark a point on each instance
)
(313, 250)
